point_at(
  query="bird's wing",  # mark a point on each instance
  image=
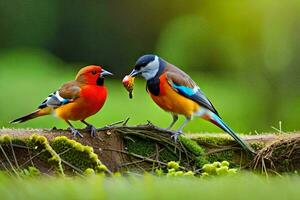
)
(185, 86)
(66, 94)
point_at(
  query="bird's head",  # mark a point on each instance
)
(92, 75)
(147, 66)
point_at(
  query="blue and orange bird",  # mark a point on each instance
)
(75, 100)
(175, 92)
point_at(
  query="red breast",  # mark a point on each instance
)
(91, 100)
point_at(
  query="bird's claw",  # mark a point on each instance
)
(92, 129)
(76, 133)
(108, 126)
(175, 136)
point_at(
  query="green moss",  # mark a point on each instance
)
(18, 141)
(220, 156)
(29, 172)
(5, 139)
(40, 144)
(218, 140)
(167, 155)
(200, 161)
(63, 150)
(286, 164)
(78, 155)
(197, 150)
(257, 145)
(137, 145)
(192, 146)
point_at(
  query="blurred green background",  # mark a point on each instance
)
(243, 54)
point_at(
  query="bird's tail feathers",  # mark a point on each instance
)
(35, 114)
(219, 122)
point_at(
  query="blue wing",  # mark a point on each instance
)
(185, 86)
(196, 95)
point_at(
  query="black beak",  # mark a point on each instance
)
(106, 73)
(134, 73)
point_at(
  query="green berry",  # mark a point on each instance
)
(89, 171)
(222, 170)
(173, 165)
(216, 164)
(102, 168)
(159, 172)
(170, 174)
(117, 174)
(232, 171)
(189, 173)
(179, 173)
(209, 168)
(205, 174)
(225, 163)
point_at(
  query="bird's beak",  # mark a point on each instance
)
(106, 73)
(134, 73)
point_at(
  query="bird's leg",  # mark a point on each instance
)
(74, 131)
(179, 131)
(175, 118)
(92, 129)
(187, 120)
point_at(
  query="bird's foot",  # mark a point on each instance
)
(176, 135)
(92, 129)
(75, 132)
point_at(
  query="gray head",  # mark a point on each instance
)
(147, 66)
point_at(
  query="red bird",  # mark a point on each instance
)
(75, 100)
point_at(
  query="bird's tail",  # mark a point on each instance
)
(35, 114)
(219, 122)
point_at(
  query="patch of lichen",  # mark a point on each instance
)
(41, 146)
(35, 142)
(59, 150)
(10, 142)
(78, 155)
(140, 146)
(7, 139)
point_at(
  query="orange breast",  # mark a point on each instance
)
(169, 100)
(91, 100)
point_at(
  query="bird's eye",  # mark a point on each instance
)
(139, 66)
(94, 72)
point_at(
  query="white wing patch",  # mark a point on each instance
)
(54, 100)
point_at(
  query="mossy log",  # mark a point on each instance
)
(140, 148)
